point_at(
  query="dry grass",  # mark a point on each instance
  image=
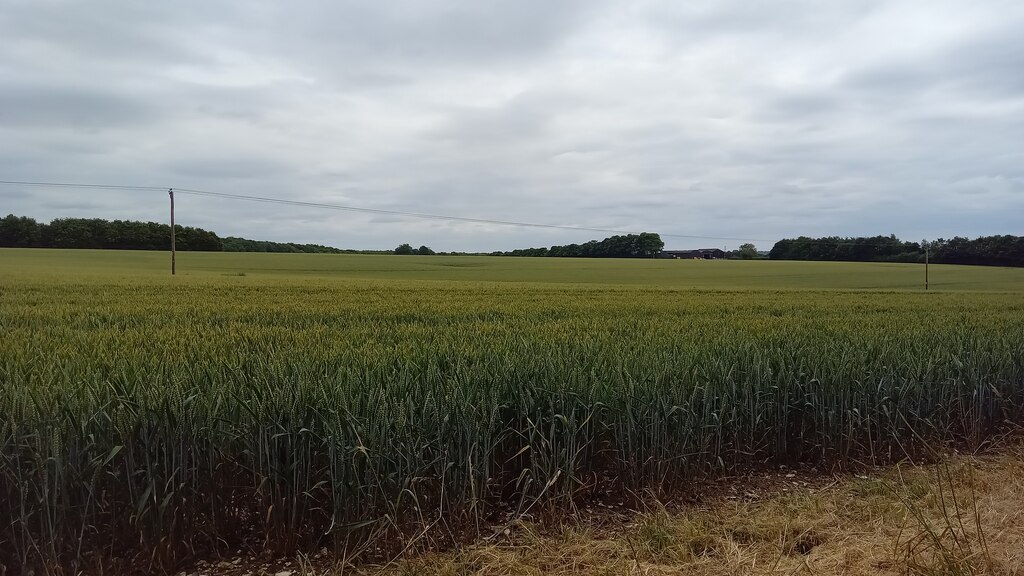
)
(965, 516)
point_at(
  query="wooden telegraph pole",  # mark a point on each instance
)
(170, 192)
(926, 268)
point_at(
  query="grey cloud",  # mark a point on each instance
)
(980, 66)
(447, 33)
(514, 122)
(805, 107)
(70, 107)
(74, 205)
(15, 195)
(722, 119)
(226, 166)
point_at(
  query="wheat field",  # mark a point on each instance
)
(291, 402)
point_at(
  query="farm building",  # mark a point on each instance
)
(701, 254)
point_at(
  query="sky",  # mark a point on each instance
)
(709, 122)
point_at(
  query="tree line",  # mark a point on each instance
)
(97, 233)
(1003, 250)
(408, 250)
(643, 245)
(235, 244)
(24, 232)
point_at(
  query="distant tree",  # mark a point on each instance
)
(747, 251)
(650, 244)
(424, 251)
(985, 250)
(19, 232)
(404, 249)
(234, 244)
(197, 239)
(643, 245)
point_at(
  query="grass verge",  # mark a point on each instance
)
(964, 515)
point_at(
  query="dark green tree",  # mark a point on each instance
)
(986, 250)
(405, 249)
(19, 232)
(650, 244)
(643, 245)
(747, 251)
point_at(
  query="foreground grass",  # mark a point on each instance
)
(964, 515)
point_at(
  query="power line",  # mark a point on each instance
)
(435, 216)
(70, 185)
(362, 209)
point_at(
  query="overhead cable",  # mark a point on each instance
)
(362, 209)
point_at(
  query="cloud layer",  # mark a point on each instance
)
(735, 119)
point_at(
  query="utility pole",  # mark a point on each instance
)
(926, 268)
(170, 192)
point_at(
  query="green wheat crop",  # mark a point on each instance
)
(172, 418)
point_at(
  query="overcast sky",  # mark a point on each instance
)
(721, 118)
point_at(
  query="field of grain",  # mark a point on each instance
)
(133, 266)
(300, 401)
